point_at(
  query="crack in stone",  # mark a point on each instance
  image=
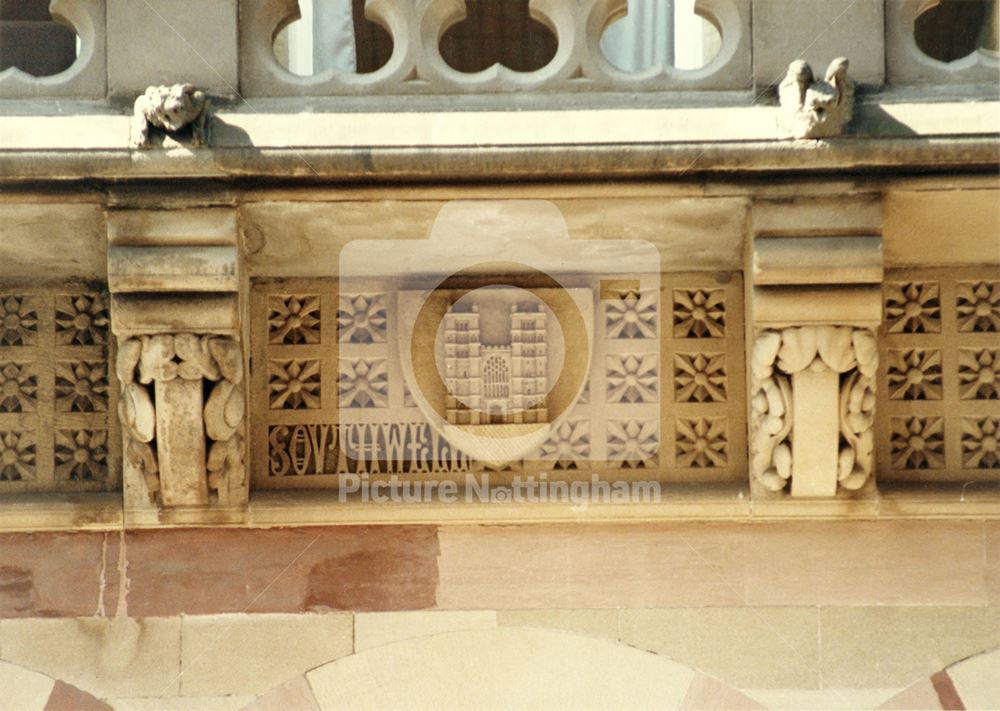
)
(102, 578)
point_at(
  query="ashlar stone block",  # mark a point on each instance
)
(172, 41)
(818, 31)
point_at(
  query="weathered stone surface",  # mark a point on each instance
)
(105, 657)
(818, 31)
(52, 240)
(182, 41)
(320, 569)
(36, 581)
(270, 649)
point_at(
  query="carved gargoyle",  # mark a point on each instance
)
(816, 109)
(171, 109)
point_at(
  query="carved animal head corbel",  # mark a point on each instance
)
(171, 109)
(816, 109)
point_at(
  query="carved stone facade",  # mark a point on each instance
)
(814, 355)
(802, 361)
(197, 249)
(816, 109)
(57, 404)
(180, 363)
(941, 381)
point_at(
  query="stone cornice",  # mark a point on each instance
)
(468, 145)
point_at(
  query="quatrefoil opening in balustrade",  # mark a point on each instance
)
(656, 34)
(951, 30)
(497, 33)
(34, 41)
(332, 35)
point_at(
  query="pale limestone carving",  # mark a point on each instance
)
(978, 306)
(18, 387)
(294, 319)
(568, 446)
(171, 109)
(816, 109)
(81, 386)
(979, 373)
(18, 321)
(778, 355)
(294, 384)
(917, 443)
(700, 377)
(17, 456)
(914, 374)
(56, 405)
(137, 415)
(943, 376)
(361, 448)
(633, 444)
(632, 378)
(163, 358)
(417, 66)
(363, 382)
(702, 442)
(632, 316)
(81, 455)
(81, 319)
(981, 442)
(361, 318)
(699, 313)
(224, 414)
(913, 307)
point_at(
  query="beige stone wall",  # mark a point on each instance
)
(938, 240)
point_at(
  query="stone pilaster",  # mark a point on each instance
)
(815, 306)
(175, 278)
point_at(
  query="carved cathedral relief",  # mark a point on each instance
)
(522, 353)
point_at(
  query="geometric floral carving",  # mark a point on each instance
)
(914, 374)
(632, 378)
(700, 377)
(293, 319)
(917, 443)
(81, 319)
(981, 442)
(701, 442)
(632, 444)
(81, 386)
(81, 455)
(913, 307)
(294, 384)
(699, 313)
(978, 305)
(633, 316)
(979, 374)
(18, 321)
(361, 318)
(363, 382)
(18, 386)
(17, 456)
(568, 445)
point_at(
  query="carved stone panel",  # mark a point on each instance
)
(663, 398)
(939, 385)
(57, 404)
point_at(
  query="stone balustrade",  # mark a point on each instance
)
(227, 47)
